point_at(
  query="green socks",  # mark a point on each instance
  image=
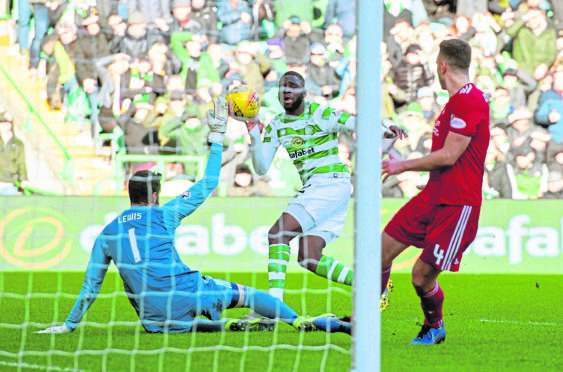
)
(333, 270)
(277, 267)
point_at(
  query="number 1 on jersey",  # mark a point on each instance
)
(134, 248)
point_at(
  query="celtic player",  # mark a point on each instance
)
(167, 295)
(309, 133)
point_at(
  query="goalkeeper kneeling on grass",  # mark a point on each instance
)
(167, 295)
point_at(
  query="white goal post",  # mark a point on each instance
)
(366, 348)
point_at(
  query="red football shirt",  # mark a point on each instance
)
(467, 113)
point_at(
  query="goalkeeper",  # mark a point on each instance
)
(166, 294)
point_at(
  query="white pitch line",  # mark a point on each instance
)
(524, 323)
(36, 366)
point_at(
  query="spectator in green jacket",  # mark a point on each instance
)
(197, 66)
(184, 134)
(533, 40)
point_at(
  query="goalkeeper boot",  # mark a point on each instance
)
(304, 324)
(331, 324)
(384, 302)
(253, 315)
(244, 325)
(429, 335)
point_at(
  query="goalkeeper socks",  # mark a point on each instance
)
(277, 267)
(385, 274)
(268, 306)
(431, 303)
(332, 269)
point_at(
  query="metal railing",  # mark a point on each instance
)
(160, 160)
(68, 162)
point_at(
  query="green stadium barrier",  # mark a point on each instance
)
(55, 233)
(67, 173)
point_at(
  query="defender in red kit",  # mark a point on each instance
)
(443, 218)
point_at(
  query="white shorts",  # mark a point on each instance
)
(321, 205)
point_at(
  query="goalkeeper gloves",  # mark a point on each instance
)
(57, 329)
(217, 120)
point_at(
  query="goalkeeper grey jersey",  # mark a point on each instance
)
(310, 139)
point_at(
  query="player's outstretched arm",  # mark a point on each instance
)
(262, 153)
(454, 146)
(184, 205)
(93, 279)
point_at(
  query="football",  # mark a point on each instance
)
(243, 103)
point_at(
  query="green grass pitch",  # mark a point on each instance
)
(493, 322)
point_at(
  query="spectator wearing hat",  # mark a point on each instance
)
(528, 177)
(520, 126)
(197, 66)
(533, 39)
(519, 84)
(137, 39)
(235, 17)
(550, 107)
(245, 185)
(182, 18)
(500, 106)
(157, 12)
(427, 100)
(322, 73)
(13, 171)
(413, 72)
(295, 35)
(90, 47)
(206, 16)
(276, 54)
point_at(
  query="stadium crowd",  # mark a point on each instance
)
(147, 71)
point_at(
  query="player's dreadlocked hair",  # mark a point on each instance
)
(456, 53)
(141, 186)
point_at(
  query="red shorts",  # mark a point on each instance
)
(443, 231)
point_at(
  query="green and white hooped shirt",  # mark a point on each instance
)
(310, 139)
